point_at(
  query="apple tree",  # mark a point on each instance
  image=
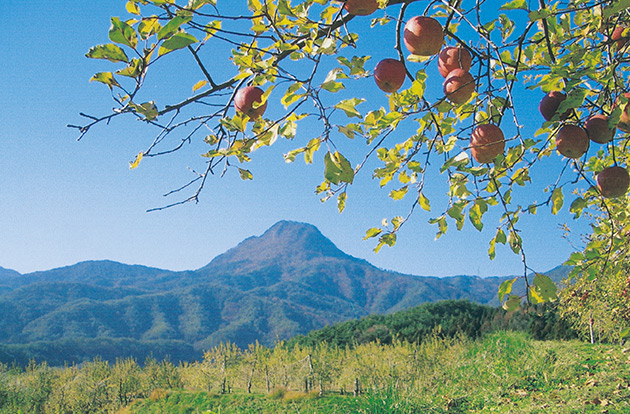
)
(293, 63)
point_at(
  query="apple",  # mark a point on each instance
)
(390, 74)
(361, 7)
(624, 119)
(423, 36)
(597, 129)
(459, 86)
(618, 38)
(453, 57)
(550, 103)
(244, 102)
(572, 141)
(486, 142)
(613, 181)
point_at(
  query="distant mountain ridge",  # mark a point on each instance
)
(288, 281)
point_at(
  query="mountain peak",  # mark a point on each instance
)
(284, 241)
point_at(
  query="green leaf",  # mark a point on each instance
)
(348, 106)
(539, 14)
(534, 296)
(109, 51)
(148, 109)
(545, 288)
(515, 4)
(337, 168)
(442, 226)
(290, 96)
(341, 201)
(456, 211)
(105, 77)
(616, 7)
(311, 148)
(577, 206)
(398, 194)
(245, 174)
(512, 303)
(557, 200)
(515, 242)
(492, 250)
(177, 41)
(121, 32)
(388, 239)
(506, 288)
(373, 232)
(500, 236)
(172, 26)
(284, 8)
(624, 333)
(476, 213)
(133, 69)
(148, 27)
(332, 86)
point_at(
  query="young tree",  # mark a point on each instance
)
(296, 63)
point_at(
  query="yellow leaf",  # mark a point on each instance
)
(424, 202)
(132, 7)
(211, 28)
(134, 164)
(200, 85)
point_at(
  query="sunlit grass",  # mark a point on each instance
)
(503, 373)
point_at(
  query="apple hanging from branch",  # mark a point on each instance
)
(249, 101)
(423, 36)
(389, 75)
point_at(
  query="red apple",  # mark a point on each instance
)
(459, 86)
(361, 7)
(613, 181)
(572, 141)
(618, 38)
(597, 129)
(550, 103)
(244, 102)
(453, 58)
(486, 142)
(423, 36)
(389, 75)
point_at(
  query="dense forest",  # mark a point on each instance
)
(446, 319)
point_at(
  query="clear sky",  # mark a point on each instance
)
(63, 201)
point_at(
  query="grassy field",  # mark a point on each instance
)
(502, 373)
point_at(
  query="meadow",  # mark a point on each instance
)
(501, 372)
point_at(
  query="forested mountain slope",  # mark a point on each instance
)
(288, 281)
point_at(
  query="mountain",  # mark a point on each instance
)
(7, 277)
(288, 281)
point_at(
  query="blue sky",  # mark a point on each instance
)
(64, 201)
